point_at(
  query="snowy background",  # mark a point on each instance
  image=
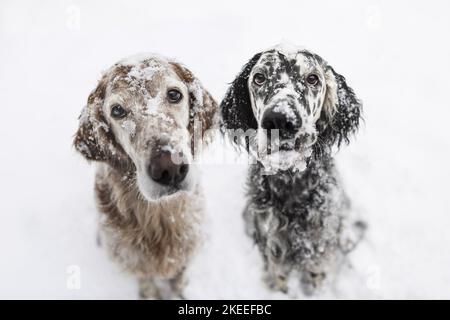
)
(393, 53)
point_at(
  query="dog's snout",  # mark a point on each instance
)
(284, 119)
(163, 170)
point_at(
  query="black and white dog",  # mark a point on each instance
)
(290, 109)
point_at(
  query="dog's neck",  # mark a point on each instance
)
(131, 204)
(165, 227)
(290, 191)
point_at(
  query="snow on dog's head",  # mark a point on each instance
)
(294, 102)
(140, 120)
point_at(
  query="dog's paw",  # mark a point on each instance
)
(277, 283)
(312, 282)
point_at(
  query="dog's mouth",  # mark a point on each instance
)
(287, 154)
(161, 192)
(287, 146)
(286, 160)
(299, 144)
(171, 190)
(153, 191)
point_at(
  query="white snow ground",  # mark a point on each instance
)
(394, 54)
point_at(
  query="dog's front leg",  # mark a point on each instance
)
(277, 272)
(177, 285)
(276, 276)
(311, 281)
(162, 288)
(148, 289)
(269, 233)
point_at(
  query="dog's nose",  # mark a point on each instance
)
(286, 120)
(164, 171)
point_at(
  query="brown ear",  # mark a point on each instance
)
(91, 137)
(203, 107)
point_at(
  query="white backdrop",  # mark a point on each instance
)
(393, 53)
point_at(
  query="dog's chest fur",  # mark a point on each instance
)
(296, 217)
(149, 239)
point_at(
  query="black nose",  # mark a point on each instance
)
(288, 122)
(164, 171)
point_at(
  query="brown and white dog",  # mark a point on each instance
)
(138, 125)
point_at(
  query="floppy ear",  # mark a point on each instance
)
(236, 108)
(341, 111)
(93, 138)
(203, 107)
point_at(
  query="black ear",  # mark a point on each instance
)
(236, 109)
(341, 112)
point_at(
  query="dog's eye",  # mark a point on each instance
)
(174, 96)
(117, 112)
(259, 79)
(312, 79)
